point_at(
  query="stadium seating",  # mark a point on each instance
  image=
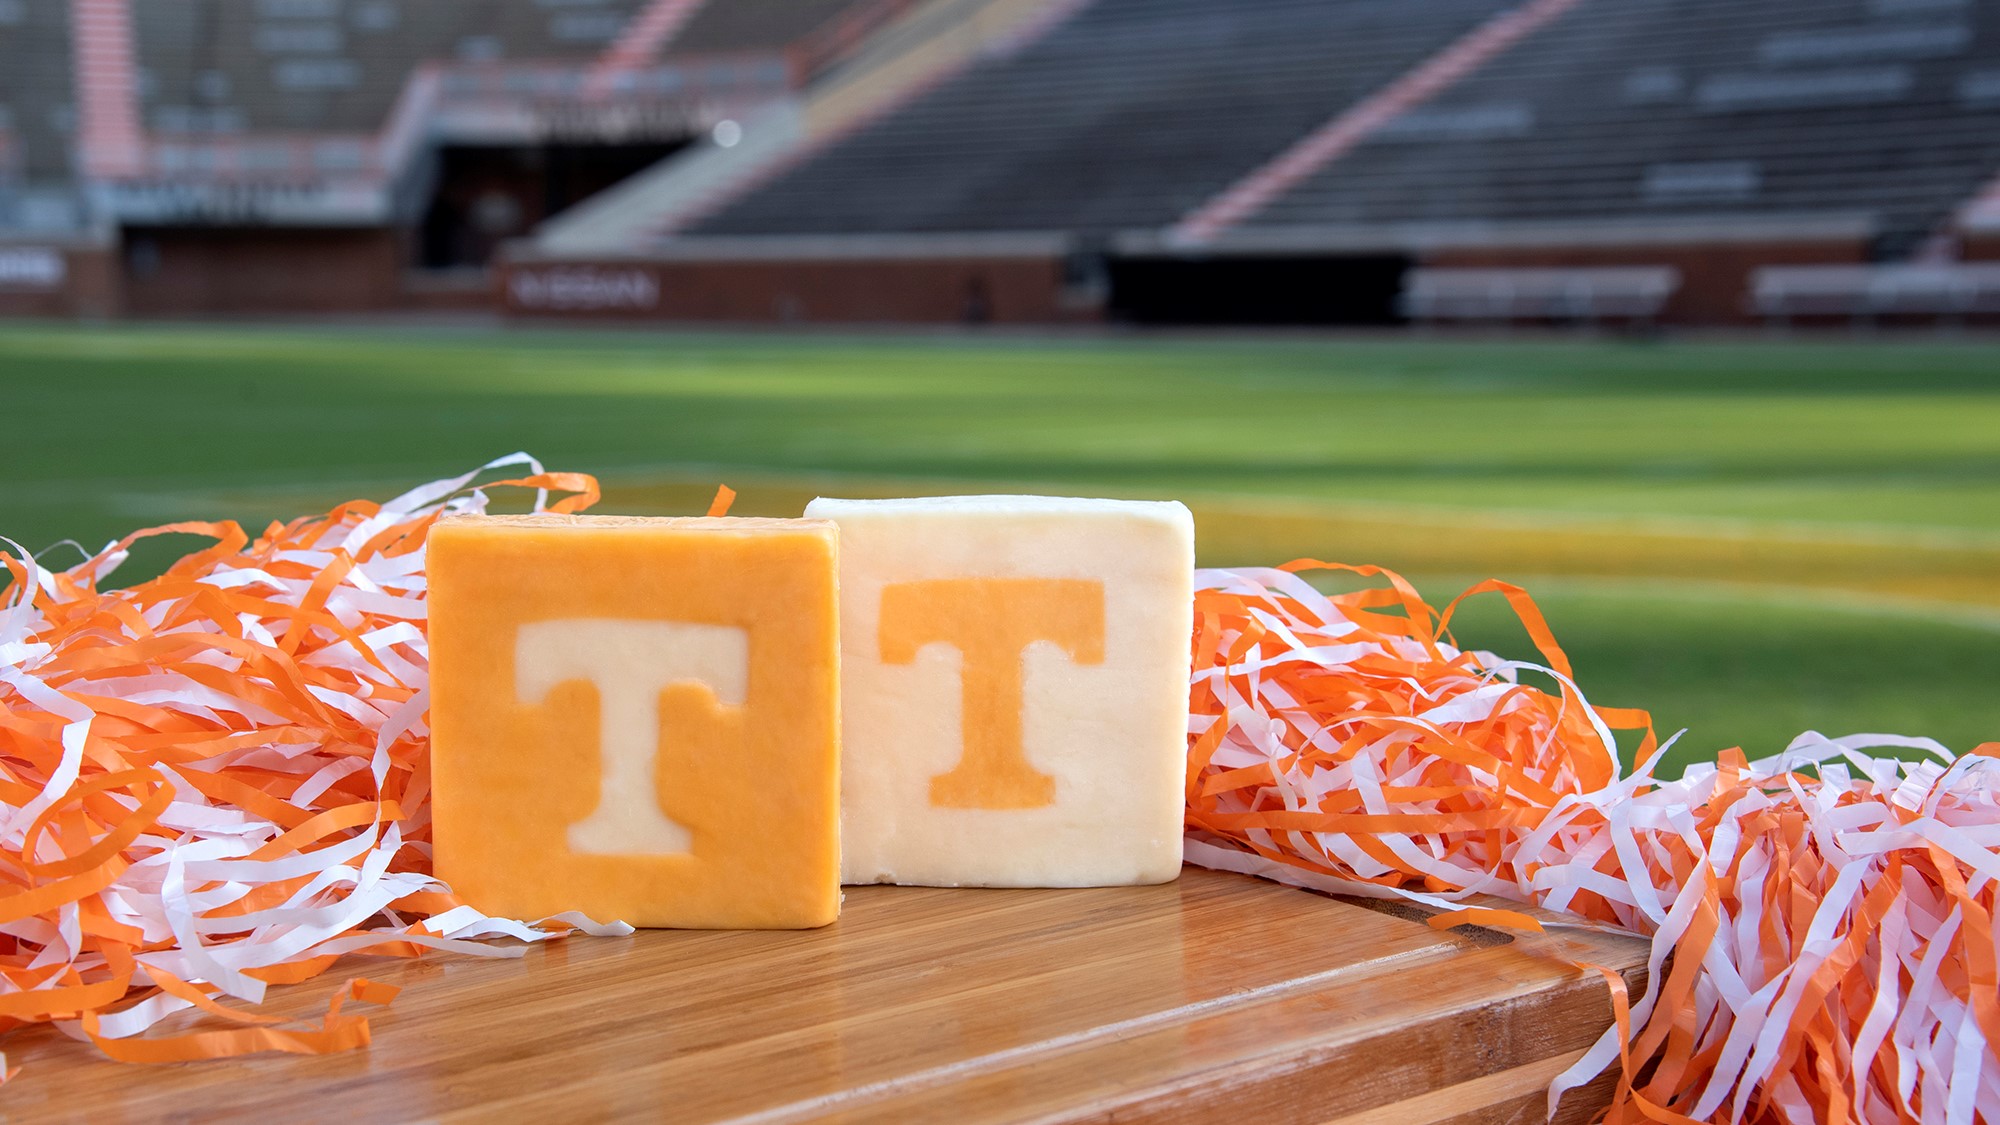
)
(759, 25)
(1572, 145)
(227, 66)
(1138, 111)
(1645, 109)
(1126, 116)
(37, 118)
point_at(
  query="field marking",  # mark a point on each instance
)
(1710, 528)
(1895, 606)
(168, 501)
(1866, 534)
(1569, 533)
(133, 497)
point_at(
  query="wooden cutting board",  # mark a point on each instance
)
(1216, 995)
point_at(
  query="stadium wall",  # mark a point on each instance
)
(221, 272)
(1715, 277)
(59, 278)
(849, 285)
(932, 288)
(228, 271)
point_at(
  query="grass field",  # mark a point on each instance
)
(1748, 538)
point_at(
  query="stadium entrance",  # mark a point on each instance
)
(486, 194)
(1260, 290)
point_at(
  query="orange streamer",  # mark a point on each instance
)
(253, 718)
(1827, 915)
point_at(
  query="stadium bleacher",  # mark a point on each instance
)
(760, 25)
(1638, 109)
(250, 89)
(37, 119)
(1124, 117)
(231, 66)
(1139, 110)
(179, 146)
(1571, 159)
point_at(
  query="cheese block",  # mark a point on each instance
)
(1014, 689)
(637, 718)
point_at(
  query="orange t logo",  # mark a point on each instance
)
(990, 621)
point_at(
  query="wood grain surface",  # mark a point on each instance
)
(1216, 997)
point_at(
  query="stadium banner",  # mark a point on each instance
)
(39, 268)
(582, 288)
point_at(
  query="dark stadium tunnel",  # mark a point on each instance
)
(1343, 290)
(486, 194)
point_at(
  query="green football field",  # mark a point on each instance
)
(1748, 538)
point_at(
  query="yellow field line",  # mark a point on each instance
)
(1924, 571)
(1980, 618)
(1931, 572)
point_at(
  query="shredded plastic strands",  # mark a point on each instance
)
(1828, 913)
(218, 780)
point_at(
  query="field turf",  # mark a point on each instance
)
(1748, 538)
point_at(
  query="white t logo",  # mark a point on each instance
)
(630, 663)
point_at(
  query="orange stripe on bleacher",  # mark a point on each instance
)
(1347, 129)
(107, 88)
(645, 36)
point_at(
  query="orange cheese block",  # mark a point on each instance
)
(637, 718)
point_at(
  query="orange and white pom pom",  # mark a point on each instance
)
(1822, 921)
(218, 779)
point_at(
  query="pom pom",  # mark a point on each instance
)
(1822, 921)
(218, 779)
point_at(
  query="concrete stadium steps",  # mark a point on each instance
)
(628, 215)
(1980, 215)
(1126, 116)
(1631, 108)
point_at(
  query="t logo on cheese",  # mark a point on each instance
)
(991, 622)
(637, 718)
(631, 663)
(1014, 689)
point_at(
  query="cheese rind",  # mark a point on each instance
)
(638, 719)
(1015, 686)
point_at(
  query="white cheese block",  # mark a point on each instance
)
(1014, 687)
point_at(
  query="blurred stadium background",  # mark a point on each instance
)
(1016, 161)
(1678, 311)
